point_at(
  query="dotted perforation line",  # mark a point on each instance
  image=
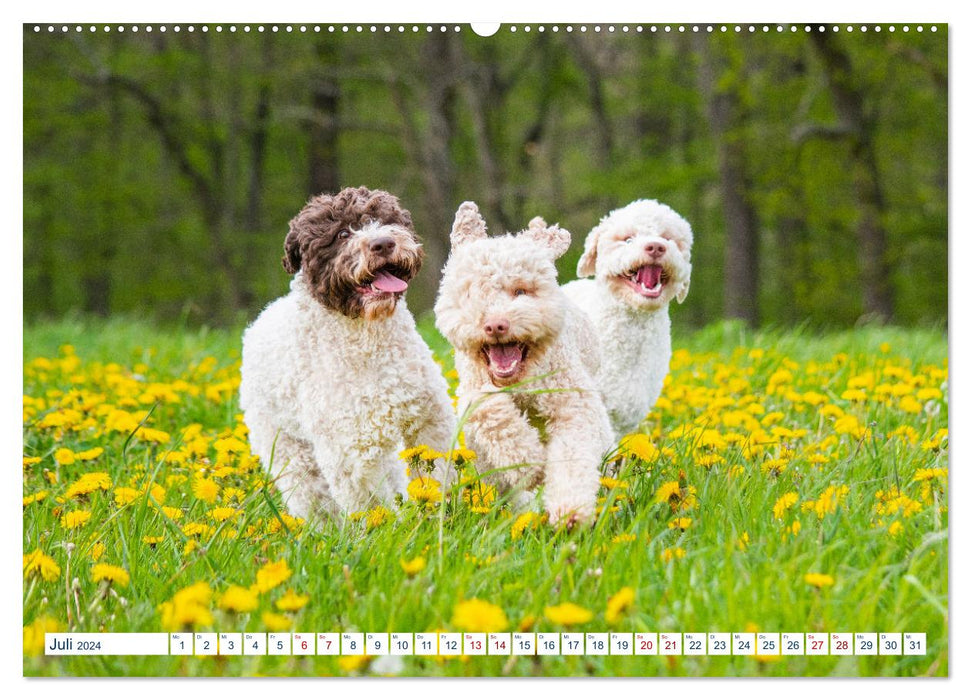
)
(709, 28)
(414, 28)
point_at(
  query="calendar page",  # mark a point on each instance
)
(609, 349)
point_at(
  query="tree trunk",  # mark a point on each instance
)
(741, 282)
(859, 129)
(324, 129)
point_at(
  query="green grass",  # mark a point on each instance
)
(353, 575)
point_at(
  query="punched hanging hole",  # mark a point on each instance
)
(485, 28)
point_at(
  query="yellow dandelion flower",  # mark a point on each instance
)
(412, 452)
(88, 483)
(205, 489)
(378, 516)
(189, 607)
(671, 553)
(526, 521)
(707, 461)
(109, 573)
(911, 405)
(413, 566)
(609, 482)
(88, 455)
(125, 495)
(34, 634)
(618, 603)
(640, 446)
(35, 497)
(222, 514)
(929, 474)
(291, 601)
(75, 519)
(274, 622)
(783, 504)
(97, 551)
(853, 395)
(425, 490)
(152, 540)
(172, 513)
(819, 580)
(238, 599)
(428, 454)
(29, 461)
(476, 615)
(895, 527)
(479, 496)
(827, 501)
(460, 455)
(666, 491)
(152, 435)
(622, 538)
(349, 664)
(567, 614)
(272, 575)
(680, 524)
(39, 563)
(197, 530)
(64, 456)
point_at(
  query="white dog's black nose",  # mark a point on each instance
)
(656, 249)
(382, 246)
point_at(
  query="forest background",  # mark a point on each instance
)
(161, 168)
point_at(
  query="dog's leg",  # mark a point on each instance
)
(437, 427)
(360, 476)
(305, 491)
(504, 441)
(579, 434)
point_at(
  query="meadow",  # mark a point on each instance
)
(787, 480)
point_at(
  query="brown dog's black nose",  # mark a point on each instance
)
(655, 249)
(496, 326)
(382, 246)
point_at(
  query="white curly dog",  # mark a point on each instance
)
(525, 357)
(335, 378)
(640, 255)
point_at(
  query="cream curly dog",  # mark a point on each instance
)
(335, 378)
(641, 258)
(501, 308)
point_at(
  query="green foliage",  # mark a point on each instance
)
(145, 191)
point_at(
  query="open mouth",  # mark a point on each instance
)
(388, 280)
(505, 360)
(648, 280)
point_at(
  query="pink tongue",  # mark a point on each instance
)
(503, 356)
(649, 275)
(386, 282)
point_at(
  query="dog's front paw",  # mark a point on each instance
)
(571, 516)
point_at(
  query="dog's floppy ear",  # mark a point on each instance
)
(468, 226)
(587, 264)
(291, 249)
(553, 237)
(683, 286)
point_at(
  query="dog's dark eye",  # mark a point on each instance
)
(344, 233)
(519, 292)
(628, 239)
